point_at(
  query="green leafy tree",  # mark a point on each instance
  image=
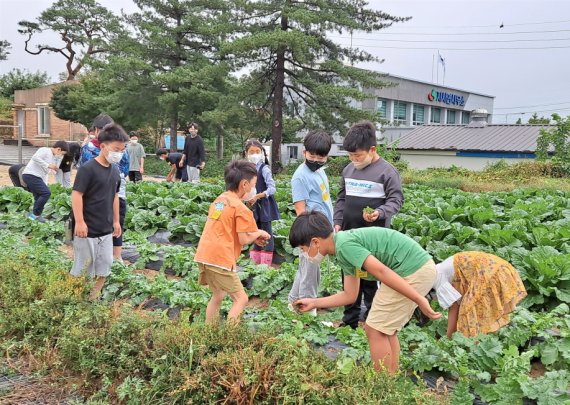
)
(17, 79)
(558, 138)
(84, 26)
(538, 121)
(295, 64)
(4, 46)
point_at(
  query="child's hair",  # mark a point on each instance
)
(61, 145)
(113, 133)
(101, 120)
(318, 142)
(361, 136)
(254, 142)
(237, 171)
(192, 124)
(132, 134)
(309, 225)
(161, 151)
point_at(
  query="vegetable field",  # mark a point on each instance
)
(529, 360)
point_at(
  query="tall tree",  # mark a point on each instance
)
(17, 79)
(309, 76)
(557, 137)
(175, 46)
(535, 119)
(84, 26)
(4, 46)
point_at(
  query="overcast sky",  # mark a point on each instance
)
(532, 76)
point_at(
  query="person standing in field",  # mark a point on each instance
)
(136, 158)
(370, 195)
(480, 290)
(35, 176)
(63, 174)
(229, 226)
(194, 155)
(311, 192)
(264, 206)
(95, 207)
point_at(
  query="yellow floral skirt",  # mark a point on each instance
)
(490, 288)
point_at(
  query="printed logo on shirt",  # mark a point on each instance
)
(359, 273)
(364, 188)
(324, 192)
(218, 208)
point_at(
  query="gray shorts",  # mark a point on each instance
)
(193, 174)
(92, 256)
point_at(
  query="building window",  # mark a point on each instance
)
(450, 117)
(435, 115)
(43, 120)
(465, 117)
(381, 107)
(293, 151)
(400, 112)
(418, 115)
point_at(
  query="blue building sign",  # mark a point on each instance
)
(447, 98)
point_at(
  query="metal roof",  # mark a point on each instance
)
(492, 138)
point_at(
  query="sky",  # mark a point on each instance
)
(524, 64)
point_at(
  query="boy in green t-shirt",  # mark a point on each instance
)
(406, 271)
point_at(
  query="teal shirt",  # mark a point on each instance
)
(397, 251)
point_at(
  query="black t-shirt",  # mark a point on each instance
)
(174, 158)
(99, 185)
(194, 150)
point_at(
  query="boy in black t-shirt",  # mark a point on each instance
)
(173, 159)
(95, 205)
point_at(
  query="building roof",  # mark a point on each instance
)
(442, 86)
(491, 138)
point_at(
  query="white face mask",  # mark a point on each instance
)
(363, 164)
(250, 194)
(258, 157)
(134, 140)
(316, 259)
(114, 157)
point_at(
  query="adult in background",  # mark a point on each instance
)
(136, 158)
(63, 174)
(35, 175)
(173, 159)
(194, 155)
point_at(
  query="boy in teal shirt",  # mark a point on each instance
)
(406, 271)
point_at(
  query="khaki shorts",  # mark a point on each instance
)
(219, 279)
(391, 310)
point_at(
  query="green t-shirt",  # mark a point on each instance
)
(397, 251)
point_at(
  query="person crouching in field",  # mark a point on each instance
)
(229, 226)
(406, 271)
(95, 206)
(480, 290)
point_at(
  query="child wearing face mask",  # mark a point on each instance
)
(229, 226)
(367, 181)
(136, 158)
(95, 206)
(35, 176)
(311, 192)
(263, 204)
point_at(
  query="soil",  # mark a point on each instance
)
(537, 369)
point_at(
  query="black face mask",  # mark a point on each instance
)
(314, 165)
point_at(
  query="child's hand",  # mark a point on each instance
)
(52, 167)
(117, 229)
(80, 230)
(305, 304)
(370, 217)
(427, 309)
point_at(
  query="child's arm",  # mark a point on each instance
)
(116, 221)
(345, 297)
(394, 199)
(339, 205)
(300, 207)
(170, 175)
(389, 277)
(41, 157)
(245, 238)
(452, 319)
(77, 207)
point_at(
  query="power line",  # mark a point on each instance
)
(532, 112)
(531, 106)
(464, 49)
(458, 41)
(469, 33)
(486, 26)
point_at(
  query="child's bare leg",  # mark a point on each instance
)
(452, 319)
(240, 301)
(96, 290)
(213, 308)
(380, 349)
(117, 250)
(395, 346)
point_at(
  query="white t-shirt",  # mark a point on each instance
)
(38, 165)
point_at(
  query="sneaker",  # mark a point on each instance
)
(32, 216)
(38, 218)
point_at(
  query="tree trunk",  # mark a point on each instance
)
(173, 128)
(277, 123)
(220, 144)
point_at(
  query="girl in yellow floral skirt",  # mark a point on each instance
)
(480, 290)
